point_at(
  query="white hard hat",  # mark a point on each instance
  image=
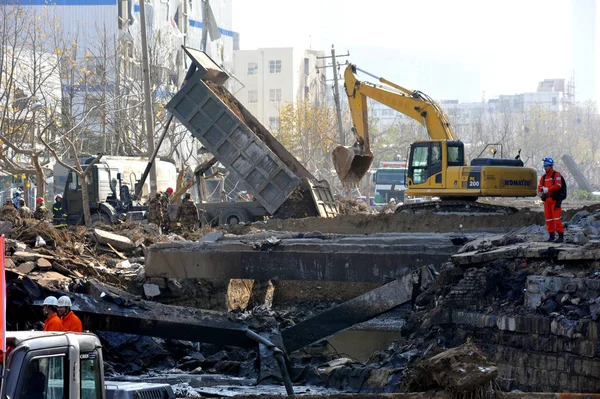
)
(64, 301)
(392, 199)
(50, 301)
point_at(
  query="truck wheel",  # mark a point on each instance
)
(100, 218)
(234, 216)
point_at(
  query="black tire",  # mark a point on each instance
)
(234, 216)
(100, 219)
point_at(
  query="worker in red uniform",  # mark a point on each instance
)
(549, 190)
(50, 308)
(70, 322)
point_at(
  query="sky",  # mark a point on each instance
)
(450, 49)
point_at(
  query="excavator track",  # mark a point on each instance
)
(457, 207)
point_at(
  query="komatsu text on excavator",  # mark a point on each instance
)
(436, 167)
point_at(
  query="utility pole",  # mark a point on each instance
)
(336, 93)
(204, 25)
(148, 99)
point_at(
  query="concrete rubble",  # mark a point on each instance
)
(524, 311)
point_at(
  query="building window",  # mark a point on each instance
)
(554, 102)
(252, 96)
(275, 95)
(275, 66)
(252, 68)
(306, 66)
(273, 124)
(306, 92)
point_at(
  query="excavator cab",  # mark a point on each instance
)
(431, 158)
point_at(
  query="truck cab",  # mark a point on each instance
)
(390, 181)
(52, 365)
(109, 199)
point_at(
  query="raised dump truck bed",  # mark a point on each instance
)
(237, 140)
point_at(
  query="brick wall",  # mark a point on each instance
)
(534, 353)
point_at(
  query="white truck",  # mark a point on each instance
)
(389, 180)
(40, 365)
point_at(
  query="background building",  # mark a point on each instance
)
(271, 77)
(555, 95)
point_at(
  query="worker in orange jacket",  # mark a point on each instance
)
(50, 308)
(71, 323)
(549, 189)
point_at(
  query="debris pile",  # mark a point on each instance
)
(469, 331)
(349, 206)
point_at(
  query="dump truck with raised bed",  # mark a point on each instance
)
(41, 364)
(280, 185)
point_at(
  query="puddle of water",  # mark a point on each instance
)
(361, 344)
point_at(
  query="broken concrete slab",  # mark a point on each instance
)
(357, 310)
(22, 256)
(212, 236)
(26, 267)
(9, 263)
(50, 280)
(118, 242)
(44, 264)
(151, 290)
(530, 250)
(357, 258)
(135, 316)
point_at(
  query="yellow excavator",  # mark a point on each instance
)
(436, 167)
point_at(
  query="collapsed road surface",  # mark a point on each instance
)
(526, 305)
(309, 257)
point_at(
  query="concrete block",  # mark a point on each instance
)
(26, 267)
(507, 323)
(560, 363)
(44, 264)
(151, 290)
(9, 264)
(212, 236)
(51, 280)
(118, 242)
(551, 362)
(22, 256)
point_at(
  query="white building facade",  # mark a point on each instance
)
(271, 77)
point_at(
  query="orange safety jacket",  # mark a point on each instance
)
(53, 323)
(553, 180)
(72, 323)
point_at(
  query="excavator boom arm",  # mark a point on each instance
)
(415, 105)
(352, 163)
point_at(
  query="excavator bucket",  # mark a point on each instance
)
(351, 164)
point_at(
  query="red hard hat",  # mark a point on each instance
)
(40, 199)
(170, 190)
